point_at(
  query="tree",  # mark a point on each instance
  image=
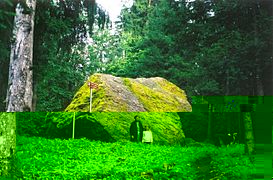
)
(20, 90)
(7, 142)
(249, 138)
(245, 108)
(61, 58)
(60, 38)
(205, 47)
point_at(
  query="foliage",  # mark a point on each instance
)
(6, 18)
(5, 14)
(194, 125)
(61, 55)
(63, 77)
(205, 47)
(225, 113)
(33, 124)
(61, 31)
(104, 49)
(83, 159)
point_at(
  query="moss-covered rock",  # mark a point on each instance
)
(109, 127)
(116, 94)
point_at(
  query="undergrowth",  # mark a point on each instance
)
(40, 158)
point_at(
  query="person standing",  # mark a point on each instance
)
(136, 130)
(147, 135)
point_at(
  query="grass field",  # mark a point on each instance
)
(40, 158)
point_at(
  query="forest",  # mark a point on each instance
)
(204, 47)
(217, 55)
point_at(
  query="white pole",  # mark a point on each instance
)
(90, 100)
(73, 132)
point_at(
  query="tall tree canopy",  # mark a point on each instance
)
(209, 47)
(62, 29)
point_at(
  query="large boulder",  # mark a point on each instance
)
(109, 127)
(116, 94)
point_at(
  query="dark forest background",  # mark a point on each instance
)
(210, 47)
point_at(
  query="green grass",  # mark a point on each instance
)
(40, 158)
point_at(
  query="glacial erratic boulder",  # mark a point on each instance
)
(112, 126)
(116, 94)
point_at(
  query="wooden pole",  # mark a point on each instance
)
(91, 86)
(90, 100)
(73, 132)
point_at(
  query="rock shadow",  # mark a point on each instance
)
(89, 129)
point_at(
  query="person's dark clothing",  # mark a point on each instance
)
(136, 131)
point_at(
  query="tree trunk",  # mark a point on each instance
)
(34, 99)
(149, 3)
(209, 137)
(249, 138)
(258, 81)
(20, 90)
(259, 86)
(227, 83)
(7, 142)
(271, 87)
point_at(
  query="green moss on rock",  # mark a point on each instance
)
(158, 95)
(103, 100)
(117, 94)
(166, 127)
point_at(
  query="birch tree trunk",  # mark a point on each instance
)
(20, 90)
(7, 142)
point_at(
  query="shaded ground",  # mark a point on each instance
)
(205, 169)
